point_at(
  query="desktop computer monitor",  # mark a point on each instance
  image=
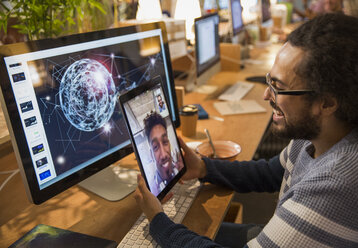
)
(265, 12)
(236, 17)
(59, 97)
(207, 47)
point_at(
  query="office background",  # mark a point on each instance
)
(94, 15)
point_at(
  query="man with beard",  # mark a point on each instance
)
(155, 129)
(313, 89)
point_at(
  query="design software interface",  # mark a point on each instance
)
(67, 98)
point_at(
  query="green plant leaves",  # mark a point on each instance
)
(49, 18)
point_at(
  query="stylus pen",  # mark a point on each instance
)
(216, 118)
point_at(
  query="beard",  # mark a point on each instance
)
(305, 127)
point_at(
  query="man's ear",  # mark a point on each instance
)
(329, 105)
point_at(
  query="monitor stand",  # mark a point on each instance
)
(205, 76)
(112, 183)
(235, 39)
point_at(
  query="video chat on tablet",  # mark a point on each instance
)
(153, 136)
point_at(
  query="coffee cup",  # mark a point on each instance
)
(188, 119)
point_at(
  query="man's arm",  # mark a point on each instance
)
(242, 176)
(246, 176)
(169, 234)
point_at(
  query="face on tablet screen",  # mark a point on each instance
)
(154, 138)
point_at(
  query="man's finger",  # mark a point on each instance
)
(181, 141)
(167, 197)
(182, 144)
(138, 195)
(141, 184)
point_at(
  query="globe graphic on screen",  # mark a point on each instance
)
(87, 94)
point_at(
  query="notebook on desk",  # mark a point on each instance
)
(202, 114)
(42, 236)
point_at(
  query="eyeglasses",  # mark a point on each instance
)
(270, 81)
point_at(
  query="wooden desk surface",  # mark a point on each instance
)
(81, 211)
(4, 133)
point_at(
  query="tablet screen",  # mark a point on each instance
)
(153, 136)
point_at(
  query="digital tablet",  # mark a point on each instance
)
(153, 136)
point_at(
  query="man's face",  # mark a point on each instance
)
(293, 116)
(160, 145)
(160, 102)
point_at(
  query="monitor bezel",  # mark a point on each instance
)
(200, 69)
(16, 131)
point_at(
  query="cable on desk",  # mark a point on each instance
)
(13, 173)
(8, 172)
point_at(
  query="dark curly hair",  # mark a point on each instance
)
(330, 63)
(152, 120)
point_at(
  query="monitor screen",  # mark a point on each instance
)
(207, 47)
(224, 4)
(236, 16)
(60, 97)
(210, 5)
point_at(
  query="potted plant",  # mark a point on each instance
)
(48, 18)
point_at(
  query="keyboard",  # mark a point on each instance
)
(175, 208)
(236, 91)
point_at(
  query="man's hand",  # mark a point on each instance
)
(179, 164)
(195, 165)
(149, 204)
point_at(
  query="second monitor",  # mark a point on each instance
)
(236, 17)
(207, 48)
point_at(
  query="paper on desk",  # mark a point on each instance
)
(236, 91)
(253, 61)
(238, 107)
(206, 89)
